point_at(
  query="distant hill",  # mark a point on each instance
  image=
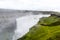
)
(23, 11)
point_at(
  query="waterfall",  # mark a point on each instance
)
(16, 23)
(26, 22)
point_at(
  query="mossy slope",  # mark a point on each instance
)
(48, 28)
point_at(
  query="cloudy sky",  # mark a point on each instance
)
(30, 4)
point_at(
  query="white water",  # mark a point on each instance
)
(26, 22)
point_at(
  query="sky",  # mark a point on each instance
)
(31, 4)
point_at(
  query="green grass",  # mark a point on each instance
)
(50, 30)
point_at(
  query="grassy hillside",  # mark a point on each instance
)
(48, 28)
